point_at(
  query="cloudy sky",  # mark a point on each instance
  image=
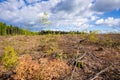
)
(64, 15)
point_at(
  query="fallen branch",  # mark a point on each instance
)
(79, 58)
(82, 40)
(104, 70)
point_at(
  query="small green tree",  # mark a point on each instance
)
(93, 36)
(9, 59)
(44, 20)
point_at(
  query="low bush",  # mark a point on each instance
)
(9, 59)
(93, 36)
(27, 69)
(53, 69)
(44, 69)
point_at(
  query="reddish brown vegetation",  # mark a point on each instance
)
(46, 69)
(53, 57)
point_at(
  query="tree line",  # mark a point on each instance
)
(43, 32)
(13, 30)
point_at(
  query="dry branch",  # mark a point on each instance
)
(82, 40)
(79, 58)
(104, 70)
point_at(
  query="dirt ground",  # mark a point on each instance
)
(83, 59)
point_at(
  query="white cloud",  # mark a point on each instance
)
(112, 22)
(72, 7)
(32, 1)
(17, 12)
(94, 18)
(77, 22)
(78, 13)
(106, 5)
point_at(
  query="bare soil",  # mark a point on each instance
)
(84, 60)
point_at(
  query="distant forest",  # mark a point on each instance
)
(13, 30)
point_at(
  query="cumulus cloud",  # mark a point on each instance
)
(64, 14)
(76, 22)
(106, 5)
(72, 7)
(17, 12)
(112, 22)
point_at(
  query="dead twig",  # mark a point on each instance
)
(79, 58)
(104, 70)
(82, 40)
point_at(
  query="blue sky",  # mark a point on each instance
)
(64, 15)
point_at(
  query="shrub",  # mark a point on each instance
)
(53, 69)
(44, 69)
(27, 69)
(9, 59)
(93, 36)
